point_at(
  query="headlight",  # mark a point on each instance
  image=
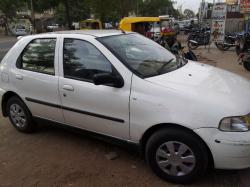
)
(235, 124)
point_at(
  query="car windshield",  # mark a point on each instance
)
(20, 27)
(141, 55)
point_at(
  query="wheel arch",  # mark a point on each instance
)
(155, 128)
(5, 99)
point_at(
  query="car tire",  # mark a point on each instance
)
(19, 115)
(191, 162)
(241, 47)
(222, 46)
(246, 65)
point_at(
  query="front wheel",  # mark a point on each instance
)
(246, 65)
(19, 115)
(176, 156)
(191, 56)
(222, 46)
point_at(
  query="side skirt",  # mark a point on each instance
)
(115, 141)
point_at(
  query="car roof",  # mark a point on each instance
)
(92, 33)
(95, 33)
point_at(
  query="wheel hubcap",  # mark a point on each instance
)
(17, 115)
(175, 158)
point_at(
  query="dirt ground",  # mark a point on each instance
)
(54, 157)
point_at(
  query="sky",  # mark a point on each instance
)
(190, 4)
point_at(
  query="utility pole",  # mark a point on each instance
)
(211, 26)
(137, 7)
(66, 3)
(33, 16)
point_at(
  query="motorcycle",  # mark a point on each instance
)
(229, 41)
(244, 59)
(177, 49)
(242, 42)
(198, 38)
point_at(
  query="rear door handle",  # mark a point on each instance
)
(19, 77)
(68, 88)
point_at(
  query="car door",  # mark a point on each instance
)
(102, 109)
(35, 78)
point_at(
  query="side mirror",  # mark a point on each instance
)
(108, 79)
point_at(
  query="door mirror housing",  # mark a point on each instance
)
(109, 80)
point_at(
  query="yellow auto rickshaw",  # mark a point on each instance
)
(142, 25)
(90, 24)
(152, 27)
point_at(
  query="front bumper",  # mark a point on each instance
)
(230, 150)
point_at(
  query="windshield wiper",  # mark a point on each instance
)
(164, 65)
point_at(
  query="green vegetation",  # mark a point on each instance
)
(9, 9)
(68, 11)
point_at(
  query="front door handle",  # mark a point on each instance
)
(19, 77)
(68, 88)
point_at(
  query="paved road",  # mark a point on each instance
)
(5, 45)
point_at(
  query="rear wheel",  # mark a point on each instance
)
(237, 49)
(246, 65)
(176, 156)
(19, 115)
(240, 48)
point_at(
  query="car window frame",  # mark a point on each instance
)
(114, 70)
(19, 59)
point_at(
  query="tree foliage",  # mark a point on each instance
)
(9, 9)
(111, 10)
(156, 8)
(41, 5)
(188, 13)
(105, 10)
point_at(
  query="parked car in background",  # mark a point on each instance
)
(53, 27)
(176, 27)
(184, 116)
(20, 30)
(182, 25)
(155, 31)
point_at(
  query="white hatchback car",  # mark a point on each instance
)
(185, 116)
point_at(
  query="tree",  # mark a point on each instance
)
(9, 9)
(65, 10)
(111, 10)
(71, 10)
(60, 14)
(156, 8)
(189, 13)
(41, 5)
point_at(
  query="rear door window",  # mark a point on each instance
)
(39, 56)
